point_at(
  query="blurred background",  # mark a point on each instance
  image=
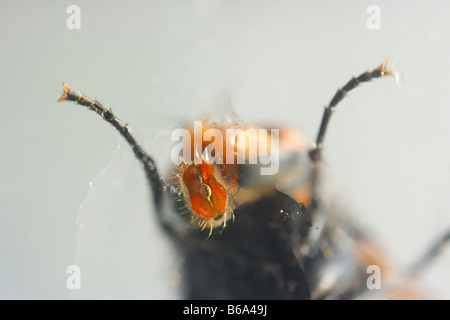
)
(72, 193)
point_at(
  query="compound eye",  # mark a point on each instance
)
(207, 196)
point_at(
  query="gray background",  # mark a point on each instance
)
(156, 62)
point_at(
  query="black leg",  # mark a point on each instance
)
(146, 161)
(431, 254)
(315, 152)
(156, 183)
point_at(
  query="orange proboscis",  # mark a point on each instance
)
(208, 197)
(211, 187)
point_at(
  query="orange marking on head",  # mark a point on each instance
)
(208, 197)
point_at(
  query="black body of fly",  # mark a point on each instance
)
(273, 249)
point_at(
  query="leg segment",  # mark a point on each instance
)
(146, 161)
(316, 152)
(381, 71)
(431, 254)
